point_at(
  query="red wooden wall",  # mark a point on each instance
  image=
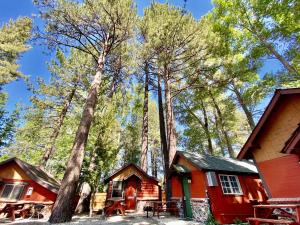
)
(11, 173)
(282, 176)
(225, 208)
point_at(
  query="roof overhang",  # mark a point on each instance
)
(245, 152)
(106, 180)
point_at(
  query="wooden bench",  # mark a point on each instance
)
(273, 221)
(265, 214)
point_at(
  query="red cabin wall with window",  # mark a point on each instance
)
(148, 189)
(229, 207)
(226, 208)
(12, 173)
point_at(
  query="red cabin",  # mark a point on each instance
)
(227, 186)
(274, 145)
(133, 186)
(22, 181)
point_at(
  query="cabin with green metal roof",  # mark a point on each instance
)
(203, 183)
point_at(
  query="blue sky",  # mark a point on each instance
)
(33, 62)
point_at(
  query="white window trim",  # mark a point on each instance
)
(14, 184)
(231, 188)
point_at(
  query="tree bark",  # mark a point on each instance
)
(144, 151)
(62, 209)
(50, 150)
(163, 137)
(154, 162)
(219, 139)
(244, 107)
(204, 125)
(223, 127)
(206, 129)
(171, 134)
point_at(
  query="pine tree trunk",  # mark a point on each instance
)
(204, 125)
(223, 127)
(244, 107)
(154, 162)
(62, 209)
(50, 150)
(144, 163)
(171, 136)
(219, 139)
(206, 129)
(163, 137)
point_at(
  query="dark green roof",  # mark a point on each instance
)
(215, 163)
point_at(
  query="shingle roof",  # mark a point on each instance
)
(214, 163)
(37, 174)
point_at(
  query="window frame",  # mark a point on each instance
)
(14, 186)
(231, 188)
(112, 189)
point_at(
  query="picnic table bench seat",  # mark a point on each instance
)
(265, 214)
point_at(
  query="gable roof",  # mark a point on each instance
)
(126, 166)
(215, 163)
(244, 153)
(37, 174)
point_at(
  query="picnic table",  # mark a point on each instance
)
(266, 214)
(166, 206)
(114, 205)
(22, 208)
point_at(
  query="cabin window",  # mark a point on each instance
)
(12, 191)
(117, 189)
(230, 184)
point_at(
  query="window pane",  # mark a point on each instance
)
(117, 189)
(7, 190)
(17, 192)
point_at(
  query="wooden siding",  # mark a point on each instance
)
(224, 207)
(98, 201)
(148, 189)
(282, 176)
(280, 125)
(197, 185)
(12, 173)
(127, 172)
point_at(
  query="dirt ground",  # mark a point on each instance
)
(130, 219)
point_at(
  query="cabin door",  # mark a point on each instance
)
(186, 197)
(131, 192)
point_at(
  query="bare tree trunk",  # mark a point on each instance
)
(154, 162)
(50, 150)
(204, 125)
(244, 107)
(144, 163)
(223, 127)
(163, 137)
(219, 139)
(62, 209)
(171, 134)
(206, 129)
